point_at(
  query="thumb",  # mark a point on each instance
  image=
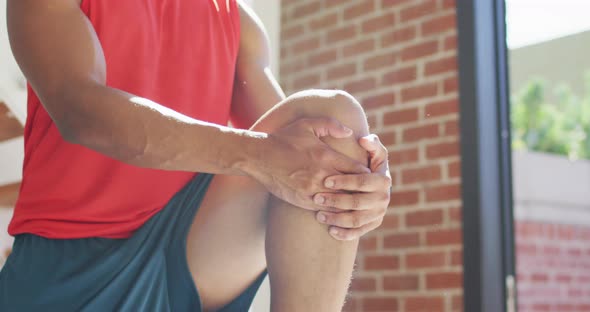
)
(370, 143)
(329, 127)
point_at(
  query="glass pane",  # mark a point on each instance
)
(549, 45)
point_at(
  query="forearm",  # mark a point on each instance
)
(143, 133)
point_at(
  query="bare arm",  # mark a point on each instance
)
(59, 53)
(255, 90)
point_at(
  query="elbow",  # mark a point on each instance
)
(70, 133)
(65, 111)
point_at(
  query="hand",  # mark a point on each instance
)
(295, 161)
(363, 197)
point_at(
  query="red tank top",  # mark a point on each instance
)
(179, 53)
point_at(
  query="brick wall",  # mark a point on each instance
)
(399, 59)
(553, 265)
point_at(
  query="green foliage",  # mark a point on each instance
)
(560, 127)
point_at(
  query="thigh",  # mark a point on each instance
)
(225, 245)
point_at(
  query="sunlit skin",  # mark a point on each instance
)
(303, 169)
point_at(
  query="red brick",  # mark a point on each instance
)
(380, 263)
(450, 43)
(457, 303)
(361, 85)
(341, 33)
(378, 23)
(562, 278)
(422, 304)
(455, 214)
(419, 92)
(439, 24)
(423, 8)
(351, 304)
(439, 66)
(379, 100)
(368, 243)
(341, 71)
(288, 33)
(323, 22)
(541, 307)
(403, 198)
(306, 81)
(451, 128)
(442, 150)
(448, 4)
(390, 222)
(403, 156)
(360, 9)
(387, 138)
(454, 169)
(392, 3)
(420, 133)
(387, 59)
(398, 36)
(446, 280)
(322, 58)
(401, 282)
(305, 45)
(441, 108)
(306, 9)
(363, 284)
(457, 258)
(421, 260)
(450, 85)
(400, 116)
(444, 237)
(539, 278)
(401, 75)
(421, 174)
(443, 192)
(293, 66)
(379, 304)
(419, 50)
(401, 240)
(357, 48)
(424, 217)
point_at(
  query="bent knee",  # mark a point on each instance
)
(336, 104)
(341, 106)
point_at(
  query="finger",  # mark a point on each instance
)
(356, 201)
(368, 182)
(329, 127)
(350, 219)
(377, 151)
(352, 234)
(370, 143)
(345, 164)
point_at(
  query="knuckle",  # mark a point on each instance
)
(356, 222)
(355, 202)
(332, 200)
(362, 180)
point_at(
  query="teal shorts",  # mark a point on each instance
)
(146, 272)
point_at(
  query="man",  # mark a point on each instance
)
(106, 218)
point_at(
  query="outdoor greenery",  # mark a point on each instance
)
(560, 127)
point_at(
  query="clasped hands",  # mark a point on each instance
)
(348, 196)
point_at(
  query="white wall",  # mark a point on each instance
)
(269, 12)
(12, 82)
(551, 188)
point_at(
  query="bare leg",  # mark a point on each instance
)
(309, 270)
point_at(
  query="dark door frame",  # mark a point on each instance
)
(488, 240)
